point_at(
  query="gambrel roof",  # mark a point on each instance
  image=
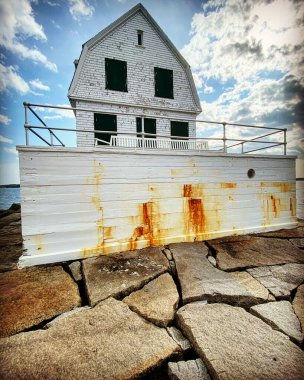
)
(109, 29)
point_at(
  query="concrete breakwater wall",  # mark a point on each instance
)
(86, 202)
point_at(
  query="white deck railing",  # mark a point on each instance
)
(162, 141)
(152, 143)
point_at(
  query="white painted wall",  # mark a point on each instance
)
(300, 199)
(80, 202)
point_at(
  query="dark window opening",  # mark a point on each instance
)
(104, 122)
(163, 79)
(116, 75)
(180, 129)
(139, 37)
(149, 127)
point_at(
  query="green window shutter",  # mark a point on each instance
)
(138, 126)
(116, 75)
(104, 122)
(163, 79)
(179, 128)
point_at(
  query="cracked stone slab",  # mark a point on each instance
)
(280, 280)
(106, 342)
(120, 274)
(280, 316)
(188, 370)
(298, 242)
(32, 295)
(157, 301)
(298, 305)
(200, 280)
(75, 268)
(253, 286)
(285, 234)
(179, 338)
(234, 344)
(235, 252)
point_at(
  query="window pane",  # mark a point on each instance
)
(150, 127)
(139, 38)
(104, 122)
(163, 79)
(116, 75)
(179, 128)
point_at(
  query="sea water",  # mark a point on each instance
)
(8, 196)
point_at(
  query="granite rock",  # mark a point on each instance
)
(235, 252)
(280, 316)
(280, 280)
(179, 338)
(188, 370)
(253, 286)
(199, 279)
(298, 305)
(118, 275)
(237, 345)
(285, 234)
(75, 268)
(33, 295)
(106, 342)
(157, 301)
(298, 242)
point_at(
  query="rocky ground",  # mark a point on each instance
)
(229, 308)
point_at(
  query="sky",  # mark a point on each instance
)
(247, 59)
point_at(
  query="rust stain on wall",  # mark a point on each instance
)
(196, 215)
(228, 185)
(200, 221)
(285, 187)
(292, 207)
(187, 191)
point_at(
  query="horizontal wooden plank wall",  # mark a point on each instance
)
(78, 203)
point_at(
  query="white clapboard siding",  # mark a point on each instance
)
(300, 198)
(83, 202)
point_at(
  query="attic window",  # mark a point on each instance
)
(140, 37)
(116, 75)
(163, 79)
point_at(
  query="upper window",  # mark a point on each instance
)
(163, 79)
(116, 75)
(140, 37)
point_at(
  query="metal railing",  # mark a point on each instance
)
(236, 142)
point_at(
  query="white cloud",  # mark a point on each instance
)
(9, 173)
(241, 40)
(56, 114)
(11, 150)
(38, 84)
(4, 119)
(10, 79)
(80, 9)
(17, 22)
(5, 140)
(252, 52)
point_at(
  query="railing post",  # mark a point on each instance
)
(242, 147)
(27, 140)
(285, 142)
(224, 138)
(51, 138)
